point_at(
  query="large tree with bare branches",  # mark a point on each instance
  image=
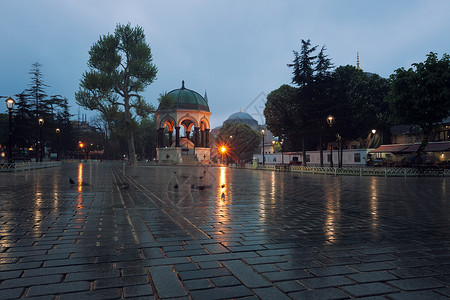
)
(120, 68)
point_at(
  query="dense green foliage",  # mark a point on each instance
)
(421, 94)
(120, 68)
(298, 114)
(30, 105)
(241, 141)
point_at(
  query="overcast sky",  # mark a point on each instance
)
(236, 50)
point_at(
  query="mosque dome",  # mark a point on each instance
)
(184, 99)
(242, 117)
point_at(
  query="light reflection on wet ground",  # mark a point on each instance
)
(116, 217)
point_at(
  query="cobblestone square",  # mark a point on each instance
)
(219, 233)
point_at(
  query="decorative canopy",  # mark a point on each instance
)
(184, 99)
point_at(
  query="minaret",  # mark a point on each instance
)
(206, 96)
(357, 61)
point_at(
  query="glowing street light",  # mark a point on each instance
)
(330, 121)
(263, 132)
(10, 105)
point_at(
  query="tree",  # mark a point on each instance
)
(358, 102)
(421, 95)
(303, 64)
(281, 113)
(241, 139)
(120, 68)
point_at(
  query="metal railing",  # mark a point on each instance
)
(357, 171)
(26, 166)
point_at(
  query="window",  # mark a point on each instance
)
(308, 158)
(328, 157)
(274, 159)
(357, 157)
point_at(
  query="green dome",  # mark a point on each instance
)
(184, 98)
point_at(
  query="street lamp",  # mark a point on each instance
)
(41, 123)
(10, 105)
(374, 131)
(58, 131)
(330, 121)
(80, 144)
(282, 156)
(263, 132)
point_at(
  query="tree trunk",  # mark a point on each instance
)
(427, 133)
(303, 152)
(321, 150)
(131, 150)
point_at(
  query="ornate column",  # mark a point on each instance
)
(177, 136)
(159, 138)
(206, 138)
(196, 129)
(170, 138)
(202, 138)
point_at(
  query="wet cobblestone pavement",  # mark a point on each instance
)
(219, 233)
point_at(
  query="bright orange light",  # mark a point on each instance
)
(81, 145)
(223, 149)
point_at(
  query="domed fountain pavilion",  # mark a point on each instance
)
(187, 109)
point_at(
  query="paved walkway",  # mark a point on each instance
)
(213, 233)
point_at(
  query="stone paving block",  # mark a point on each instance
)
(264, 260)
(166, 282)
(246, 274)
(11, 293)
(374, 266)
(114, 282)
(30, 281)
(137, 291)
(328, 293)
(375, 276)
(92, 275)
(290, 286)
(270, 293)
(222, 293)
(414, 284)
(20, 266)
(287, 275)
(215, 248)
(114, 293)
(265, 268)
(326, 281)
(328, 271)
(413, 272)
(225, 281)
(186, 267)
(205, 273)
(224, 256)
(422, 295)
(209, 264)
(10, 274)
(198, 284)
(58, 288)
(368, 289)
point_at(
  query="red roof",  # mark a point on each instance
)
(391, 148)
(431, 147)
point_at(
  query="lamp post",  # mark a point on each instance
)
(58, 131)
(282, 156)
(41, 146)
(263, 132)
(10, 105)
(330, 121)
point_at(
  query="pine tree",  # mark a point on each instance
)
(303, 64)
